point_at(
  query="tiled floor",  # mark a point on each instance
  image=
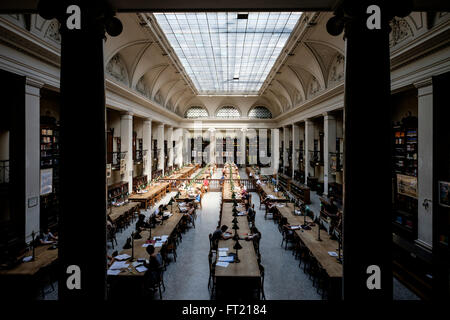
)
(187, 278)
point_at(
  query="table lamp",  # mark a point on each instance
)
(235, 212)
(318, 231)
(132, 246)
(238, 247)
(171, 203)
(235, 220)
(339, 258)
(33, 243)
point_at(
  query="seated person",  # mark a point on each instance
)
(251, 213)
(219, 234)
(189, 214)
(206, 184)
(286, 226)
(141, 224)
(154, 264)
(254, 234)
(47, 237)
(158, 213)
(198, 198)
(111, 258)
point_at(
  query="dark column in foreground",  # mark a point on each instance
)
(367, 235)
(82, 220)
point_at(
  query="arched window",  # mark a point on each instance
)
(260, 112)
(196, 112)
(228, 112)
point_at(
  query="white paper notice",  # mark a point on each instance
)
(113, 272)
(333, 254)
(119, 265)
(222, 264)
(141, 269)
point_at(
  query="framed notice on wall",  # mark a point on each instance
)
(123, 166)
(108, 170)
(46, 181)
(444, 194)
(407, 185)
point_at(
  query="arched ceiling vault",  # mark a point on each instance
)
(145, 67)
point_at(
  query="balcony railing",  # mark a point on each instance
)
(4, 171)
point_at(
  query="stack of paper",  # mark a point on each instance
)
(223, 249)
(226, 259)
(159, 244)
(333, 254)
(223, 253)
(112, 272)
(222, 264)
(145, 245)
(141, 269)
(122, 257)
(119, 265)
(295, 227)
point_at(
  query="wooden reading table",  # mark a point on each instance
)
(319, 249)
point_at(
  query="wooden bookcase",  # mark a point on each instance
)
(405, 163)
(49, 159)
(299, 190)
(139, 182)
(118, 192)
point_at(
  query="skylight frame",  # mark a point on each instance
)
(231, 48)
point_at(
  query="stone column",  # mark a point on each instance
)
(126, 140)
(178, 152)
(275, 150)
(160, 146)
(295, 146)
(329, 141)
(425, 163)
(212, 145)
(241, 160)
(32, 158)
(368, 272)
(309, 145)
(147, 145)
(285, 147)
(170, 146)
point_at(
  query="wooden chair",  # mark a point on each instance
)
(261, 295)
(171, 247)
(111, 235)
(153, 281)
(287, 238)
(212, 271)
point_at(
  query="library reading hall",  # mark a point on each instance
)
(297, 151)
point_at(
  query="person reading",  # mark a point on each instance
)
(219, 234)
(47, 237)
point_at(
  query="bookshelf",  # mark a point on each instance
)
(405, 162)
(299, 190)
(49, 159)
(117, 193)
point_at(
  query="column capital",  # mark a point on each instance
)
(148, 120)
(126, 115)
(34, 83)
(427, 82)
(328, 116)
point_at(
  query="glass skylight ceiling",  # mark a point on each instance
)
(224, 54)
